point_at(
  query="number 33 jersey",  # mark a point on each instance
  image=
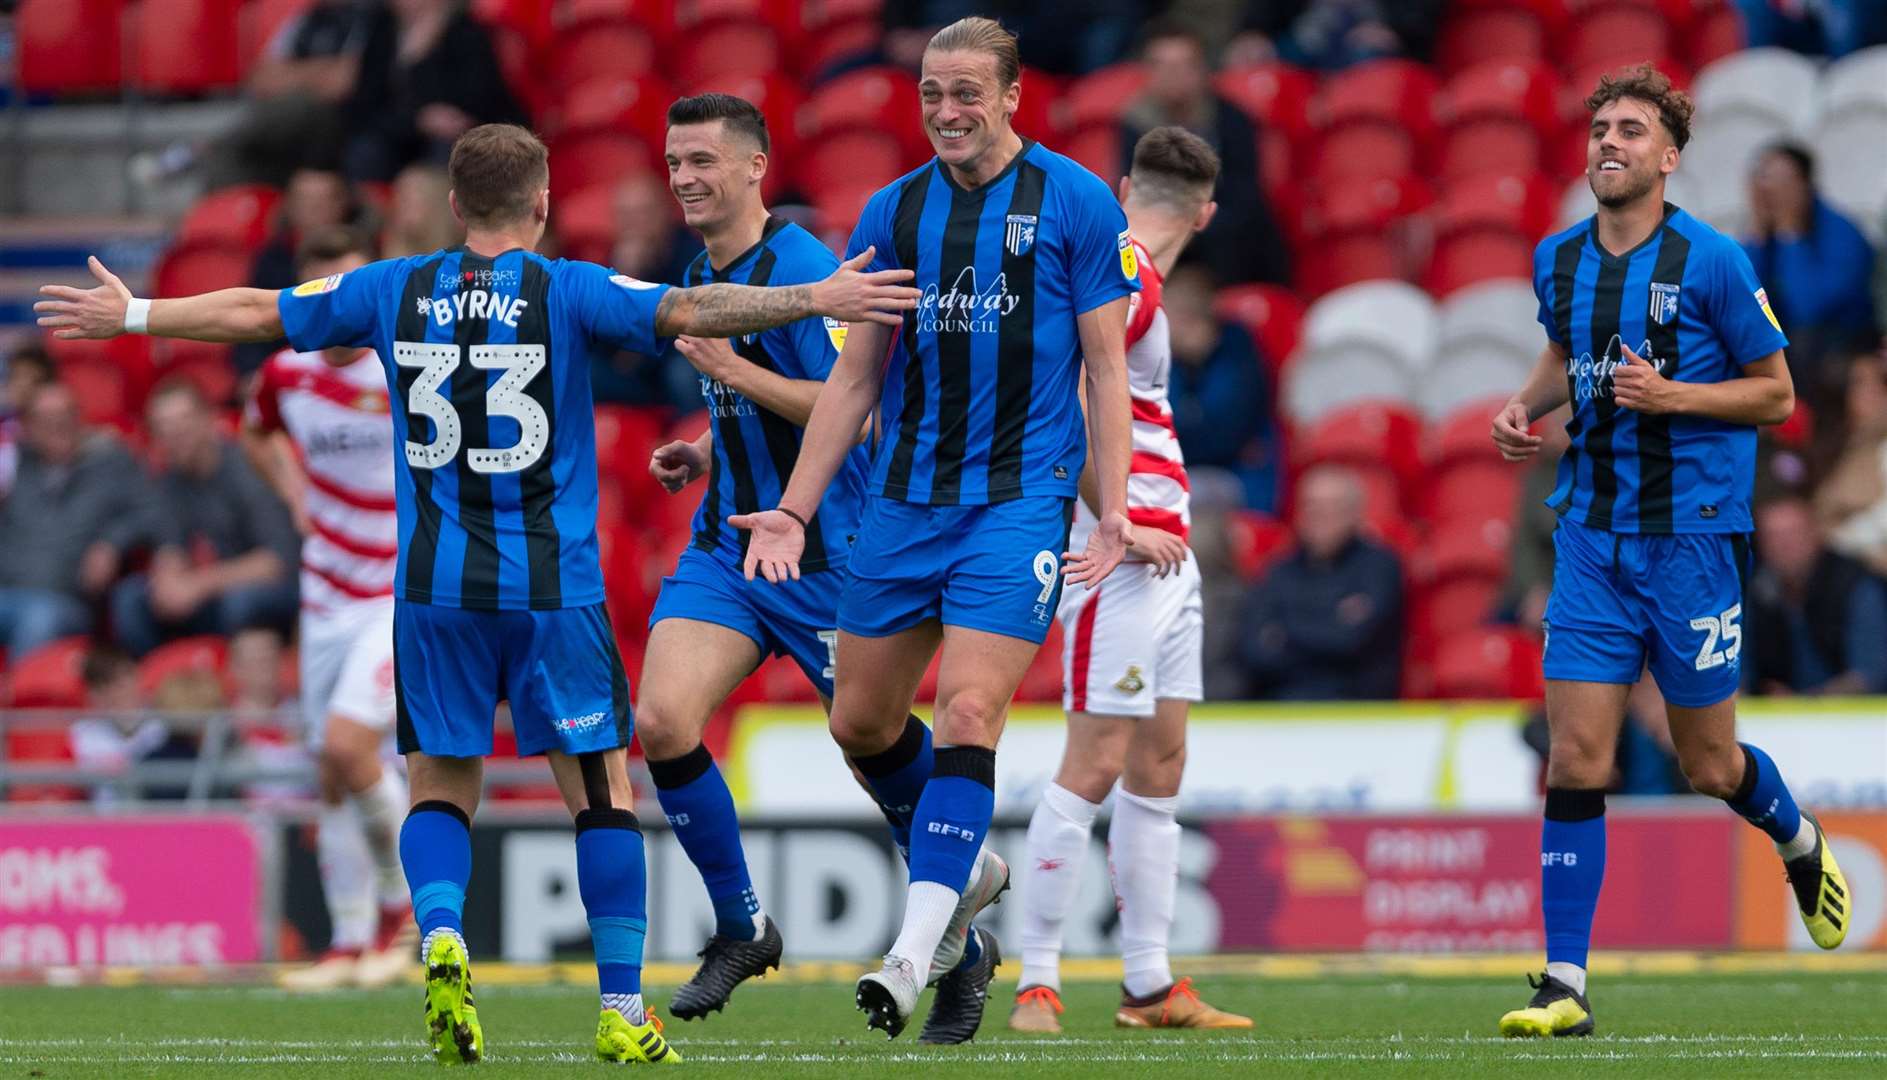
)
(487, 363)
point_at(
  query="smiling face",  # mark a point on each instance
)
(966, 109)
(1628, 152)
(713, 173)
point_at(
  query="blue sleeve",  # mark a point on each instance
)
(614, 309)
(809, 347)
(1102, 266)
(1739, 307)
(337, 310)
(1543, 290)
(874, 231)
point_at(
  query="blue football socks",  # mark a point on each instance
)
(953, 815)
(897, 778)
(1572, 868)
(436, 852)
(700, 809)
(613, 881)
(1763, 799)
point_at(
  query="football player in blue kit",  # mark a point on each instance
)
(1662, 339)
(498, 590)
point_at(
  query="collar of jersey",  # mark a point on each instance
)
(719, 273)
(943, 170)
(1592, 230)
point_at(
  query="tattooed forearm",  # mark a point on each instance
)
(724, 310)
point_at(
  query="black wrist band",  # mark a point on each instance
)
(802, 521)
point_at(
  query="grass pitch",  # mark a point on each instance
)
(1731, 1023)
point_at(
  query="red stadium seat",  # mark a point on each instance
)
(585, 222)
(1368, 435)
(1525, 91)
(1506, 32)
(878, 98)
(1617, 33)
(692, 15)
(206, 366)
(1462, 436)
(109, 378)
(1488, 663)
(1042, 682)
(49, 676)
(257, 25)
(69, 46)
(1514, 202)
(531, 19)
(1035, 113)
(1356, 231)
(602, 49)
(598, 157)
(1277, 95)
(187, 46)
(1468, 547)
(846, 160)
(836, 208)
(203, 654)
(1395, 93)
(779, 99)
(634, 106)
(1101, 96)
(189, 269)
(1098, 149)
(718, 49)
(518, 62)
(1470, 258)
(624, 438)
(1718, 32)
(778, 680)
(1452, 607)
(241, 216)
(1366, 151)
(1272, 314)
(1483, 488)
(1257, 540)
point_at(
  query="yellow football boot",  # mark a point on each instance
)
(1821, 892)
(451, 1019)
(619, 1041)
(1556, 1009)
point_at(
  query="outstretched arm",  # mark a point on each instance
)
(1103, 333)
(849, 295)
(227, 315)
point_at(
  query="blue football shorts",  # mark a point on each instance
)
(798, 619)
(995, 568)
(560, 670)
(1621, 601)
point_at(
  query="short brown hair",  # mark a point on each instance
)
(496, 171)
(737, 115)
(1174, 166)
(325, 245)
(1647, 84)
(979, 34)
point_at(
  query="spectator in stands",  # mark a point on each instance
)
(1851, 501)
(1220, 397)
(29, 368)
(1816, 621)
(1815, 265)
(296, 93)
(1333, 34)
(314, 199)
(652, 244)
(226, 550)
(419, 219)
(1326, 623)
(1243, 243)
(427, 76)
(1833, 28)
(1530, 565)
(258, 703)
(120, 733)
(77, 507)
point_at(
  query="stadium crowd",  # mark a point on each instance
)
(131, 522)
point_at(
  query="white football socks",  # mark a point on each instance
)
(927, 910)
(382, 807)
(1058, 845)
(1571, 974)
(1803, 843)
(345, 878)
(629, 1005)
(1143, 855)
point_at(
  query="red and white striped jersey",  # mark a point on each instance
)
(1158, 493)
(342, 430)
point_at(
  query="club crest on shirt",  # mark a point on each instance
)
(1019, 237)
(1131, 683)
(1663, 303)
(835, 333)
(319, 285)
(1762, 298)
(1129, 262)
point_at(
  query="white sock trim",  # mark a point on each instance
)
(1802, 843)
(1070, 807)
(1571, 974)
(629, 1005)
(1167, 805)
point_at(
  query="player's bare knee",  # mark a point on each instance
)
(1090, 771)
(1155, 768)
(861, 734)
(1715, 771)
(665, 732)
(970, 718)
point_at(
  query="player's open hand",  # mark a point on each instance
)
(1639, 387)
(853, 295)
(1511, 436)
(1107, 546)
(774, 549)
(675, 465)
(85, 313)
(1165, 551)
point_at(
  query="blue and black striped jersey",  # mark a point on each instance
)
(1687, 301)
(754, 449)
(979, 404)
(488, 363)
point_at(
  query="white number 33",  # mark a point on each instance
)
(1721, 628)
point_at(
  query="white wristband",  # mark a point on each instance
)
(137, 316)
